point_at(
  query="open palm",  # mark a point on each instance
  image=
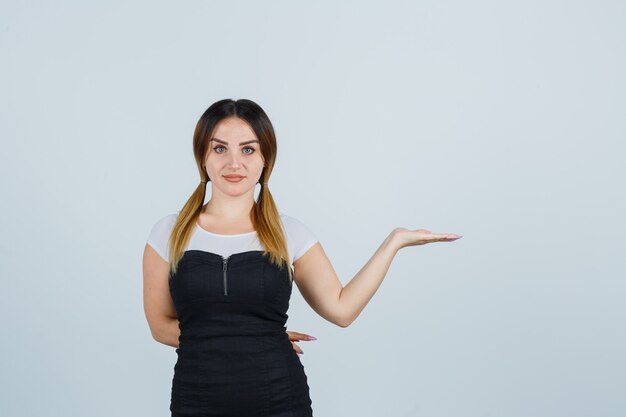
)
(406, 237)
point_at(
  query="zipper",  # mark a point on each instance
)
(225, 262)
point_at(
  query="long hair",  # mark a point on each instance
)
(264, 214)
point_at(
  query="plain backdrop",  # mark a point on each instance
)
(499, 121)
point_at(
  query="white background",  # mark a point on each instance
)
(500, 121)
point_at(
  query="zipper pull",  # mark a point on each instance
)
(225, 260)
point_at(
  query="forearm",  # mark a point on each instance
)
(358, 292)
(168, 333)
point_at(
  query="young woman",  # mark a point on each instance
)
(218, 277)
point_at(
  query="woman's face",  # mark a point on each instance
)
(234, 151)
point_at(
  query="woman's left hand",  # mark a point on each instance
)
(405, 237)
(296, 337)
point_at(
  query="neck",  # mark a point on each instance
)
(229, 207)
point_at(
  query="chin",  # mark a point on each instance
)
(236, 190)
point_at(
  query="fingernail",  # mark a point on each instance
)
(312, 338)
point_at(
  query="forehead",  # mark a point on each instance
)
(233, 130)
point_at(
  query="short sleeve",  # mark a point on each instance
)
(160, 234)
(300, 238)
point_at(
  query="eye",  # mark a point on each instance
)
(217, 147)
(249, 148)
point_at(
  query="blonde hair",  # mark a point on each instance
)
(264, 214)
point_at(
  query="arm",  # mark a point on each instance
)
(320, 287)
(157, 301)
(168, 333)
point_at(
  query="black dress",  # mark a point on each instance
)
(234, 356)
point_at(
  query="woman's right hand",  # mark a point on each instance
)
(296, 337)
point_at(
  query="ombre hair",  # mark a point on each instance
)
(264, 214)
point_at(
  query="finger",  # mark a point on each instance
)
(444, 237)
(297, 336)
(297, 348)
(294, 336)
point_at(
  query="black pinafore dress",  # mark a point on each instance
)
(234, 355)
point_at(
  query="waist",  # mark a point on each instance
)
(204, 330)
(214, 341)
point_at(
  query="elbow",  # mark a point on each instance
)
(338, 321)
(155, 335)
(343, 319)
(159, 333)
(344, 322)
(162, 339)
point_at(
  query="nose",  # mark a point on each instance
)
(234, 160)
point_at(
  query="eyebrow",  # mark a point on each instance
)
(241, 143)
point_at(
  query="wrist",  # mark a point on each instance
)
(393, 241)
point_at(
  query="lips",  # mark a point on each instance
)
(234, 178)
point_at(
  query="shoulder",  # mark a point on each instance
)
(300, 237)
(293, 224)
(160, 233)
(165, 222)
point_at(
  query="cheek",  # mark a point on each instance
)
(258, 165)
(258, 160)
(253, 162)
(212, 162)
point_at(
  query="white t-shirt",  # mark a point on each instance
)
(299, 238)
